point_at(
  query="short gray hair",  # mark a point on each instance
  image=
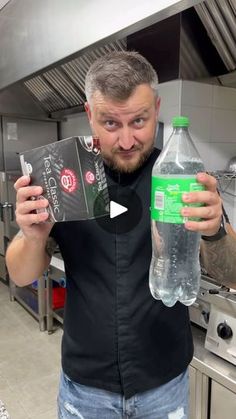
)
(117, 74)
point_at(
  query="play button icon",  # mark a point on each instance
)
(124, 213)
(116, 209)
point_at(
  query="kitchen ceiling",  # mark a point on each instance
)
(61, 88)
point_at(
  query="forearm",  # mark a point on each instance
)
(26, 260)
(219, 260)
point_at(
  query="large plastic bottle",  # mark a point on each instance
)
(175, 268)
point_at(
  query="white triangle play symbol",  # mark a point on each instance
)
(116, 209)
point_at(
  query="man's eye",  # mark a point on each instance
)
(110, 124)
(139, 122)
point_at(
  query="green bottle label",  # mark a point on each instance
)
(166, 198)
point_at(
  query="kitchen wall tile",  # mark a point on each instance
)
(196, 94)
(170, 93)
(224, 97)
(166, 115)
(219, 155)
(200, 121)
(204, 150)
(223, 126)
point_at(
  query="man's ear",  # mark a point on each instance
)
(157, 106)
(88, 111)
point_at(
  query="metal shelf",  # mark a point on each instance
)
(55, 273)
(33, 301)
(223, 175)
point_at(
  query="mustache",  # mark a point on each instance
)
(122, 150)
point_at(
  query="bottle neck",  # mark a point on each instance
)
(180, 129)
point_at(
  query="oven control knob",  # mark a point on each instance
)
(224, 331)
(206, 315)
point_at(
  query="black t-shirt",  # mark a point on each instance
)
(116, 335)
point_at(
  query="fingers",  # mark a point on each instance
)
(29, 206)
(204, 212)
(22, 181)
(27, 192)
(210, 212)
(29, 219)
(208, 181)
(209, 196)
(31, 212)
(205, 227)
(29, 209)
(201, 197)
(24, 191)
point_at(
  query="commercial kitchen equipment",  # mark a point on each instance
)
(215, 312)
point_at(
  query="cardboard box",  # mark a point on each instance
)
(72, 176)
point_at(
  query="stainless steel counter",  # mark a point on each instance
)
(210, 364)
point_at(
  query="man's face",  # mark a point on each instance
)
(126, 129)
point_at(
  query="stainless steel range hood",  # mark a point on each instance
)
(219, 19)
(63, 86)
(47, 46)
(36, 35)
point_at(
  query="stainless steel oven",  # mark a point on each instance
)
(215, 312)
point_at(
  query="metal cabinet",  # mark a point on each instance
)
(199, 384)
(212, 383)
(223, 402)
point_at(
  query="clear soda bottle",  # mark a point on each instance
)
(175, 272)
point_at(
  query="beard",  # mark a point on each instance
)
(115, 161)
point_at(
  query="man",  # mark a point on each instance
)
(124, 354)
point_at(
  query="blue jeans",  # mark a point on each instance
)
(169, 401)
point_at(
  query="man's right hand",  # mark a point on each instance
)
(31, 223)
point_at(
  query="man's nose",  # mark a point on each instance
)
(126, 138)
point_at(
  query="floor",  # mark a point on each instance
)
(29, 363)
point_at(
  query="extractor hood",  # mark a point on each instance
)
(192, 40)
(63, 86)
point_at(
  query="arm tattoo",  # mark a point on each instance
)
(50, 246)
(218, 258)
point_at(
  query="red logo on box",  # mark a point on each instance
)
(90, 177)
(69, 181)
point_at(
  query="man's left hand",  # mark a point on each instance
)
(211, 211)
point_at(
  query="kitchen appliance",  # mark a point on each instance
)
(215, 311)
(232, 165)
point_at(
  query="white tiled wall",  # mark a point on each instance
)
(212, 113)
(170, 94)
